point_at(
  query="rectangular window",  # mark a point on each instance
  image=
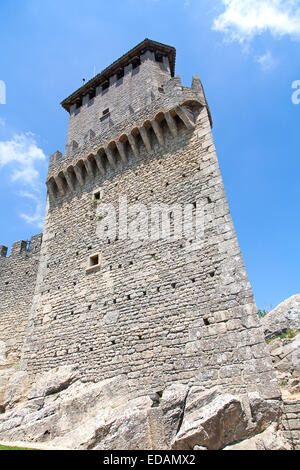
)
(120, 74)
(94, 262)
(79, 103)
(92, 94)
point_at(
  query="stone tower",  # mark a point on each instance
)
(152, 309)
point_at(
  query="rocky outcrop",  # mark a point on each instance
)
(270, 439)
(286, 316)
(282, 327)
(282, 330)
(285, 354)
(61, 411)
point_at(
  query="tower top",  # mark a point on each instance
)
(132, 56)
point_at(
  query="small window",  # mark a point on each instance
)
(94, 262)
(92, 94)
(105, 85)
(120, 74)
(136, 62)
(79, 103)
(158, 57)
(105, 115)
(97, 196)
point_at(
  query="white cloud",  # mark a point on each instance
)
(266, 61)
(244, 19)
(22, 156)
(36, 217)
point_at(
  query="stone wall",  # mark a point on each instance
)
(123, 98)
(17, 283)
(156, 311)
(291, 422)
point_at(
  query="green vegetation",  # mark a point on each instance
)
(262, 313)
(12, 448)
(288, 334)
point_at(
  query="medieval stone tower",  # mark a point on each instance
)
(154, 311)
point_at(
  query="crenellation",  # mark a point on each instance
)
(3, 251)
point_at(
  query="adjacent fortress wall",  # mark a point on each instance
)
(17, 283)
(157, 312)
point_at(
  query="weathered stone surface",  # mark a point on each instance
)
(2, 353)
(211, 420)
(17, 388)
(270, 439)
(4, 378)
(17, 284)
(264, 412)
(173, 405)
(285, 354)
(285, 316)
(53, 381)
(102, 416)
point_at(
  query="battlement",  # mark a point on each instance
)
(174, 108)
(23, 248)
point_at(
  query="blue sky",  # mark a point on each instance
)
(246, 53)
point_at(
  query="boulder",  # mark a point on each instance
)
(263, 412)
(286, 316)
(53, 381)
(17, 389)
(120, 428)
(4, 378)
(212, 420)
(173, 403)
(270, 439)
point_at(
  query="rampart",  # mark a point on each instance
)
(17, 283)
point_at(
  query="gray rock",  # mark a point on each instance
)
(173, 404)
(53, 381)
(17, 389)
(285, 316)
(264, 412)
(211, 420)
(2, 353)
(4, 378)
(270, 439)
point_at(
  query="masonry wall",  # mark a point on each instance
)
(17, 284)
(157, 312)
(291, 422)
(123, 98)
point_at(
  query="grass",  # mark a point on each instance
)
(289, 334)
(12, 448)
